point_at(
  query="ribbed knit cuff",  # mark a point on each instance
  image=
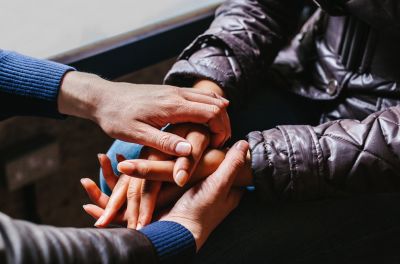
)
(38, 80)
(173, 242)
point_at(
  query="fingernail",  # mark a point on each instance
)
(99, 221)
(85, 206)
(99, 157)
(183, 148)
(242, 145)
(126, 167)
(83, 180)
(139, 226)
(181, 178)
(226, 101)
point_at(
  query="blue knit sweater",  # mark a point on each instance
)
(30, 86)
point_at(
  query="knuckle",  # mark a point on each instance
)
(165, 142)
(215, 111)
(133, 194)
(210, 94)
(143, 169)
(237, 162)
(176, 91)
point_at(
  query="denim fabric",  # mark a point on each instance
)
(128, 150)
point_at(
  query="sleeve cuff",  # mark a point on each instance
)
(173, 242)
(35, 79)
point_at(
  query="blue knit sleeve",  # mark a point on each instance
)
(29, 86)
(173, 242)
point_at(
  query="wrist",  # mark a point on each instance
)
(208, 85)
(194, 228)
(80, 94)
(172, 241)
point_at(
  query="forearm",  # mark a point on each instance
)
(334, 159)
(23, 242)
(29, 86)
(243, 40)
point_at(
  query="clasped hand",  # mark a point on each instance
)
(199, 208)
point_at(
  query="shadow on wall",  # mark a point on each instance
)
(57, 198)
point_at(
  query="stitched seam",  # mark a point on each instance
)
(345, 131)
(204, 64)
(360, 149)
(292, 158)
(319, 157)
(387, 140)
(384, 119)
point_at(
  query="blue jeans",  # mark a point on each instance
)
(128, 150)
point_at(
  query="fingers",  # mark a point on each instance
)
(148, 169)
(216, 118)
(226, 173)
(164, 141)
(94, 193)
(96, 212)
(204, 97)
(115, 202)
(185, 166)
(108, 173)
(150, 190)
(133, 202)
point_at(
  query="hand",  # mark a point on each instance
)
(204, 206)
(135, 113)
(197, 135)
(144, 200)
(141, 195)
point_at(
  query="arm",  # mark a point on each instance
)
(200, 208)
(242, 41)
(334, 159)
(23, 242)
(29, 86)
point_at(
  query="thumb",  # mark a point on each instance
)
(227, 171)
(166, 142)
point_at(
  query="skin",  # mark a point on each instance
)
(186, 165)
(135, 113)
(141, 210)
(201, 208)
(148, 190)
(167, 194)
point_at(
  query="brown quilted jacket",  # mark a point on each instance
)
(336, 57)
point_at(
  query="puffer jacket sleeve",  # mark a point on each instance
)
(23, 242)
(243, 40)
(334, 159)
